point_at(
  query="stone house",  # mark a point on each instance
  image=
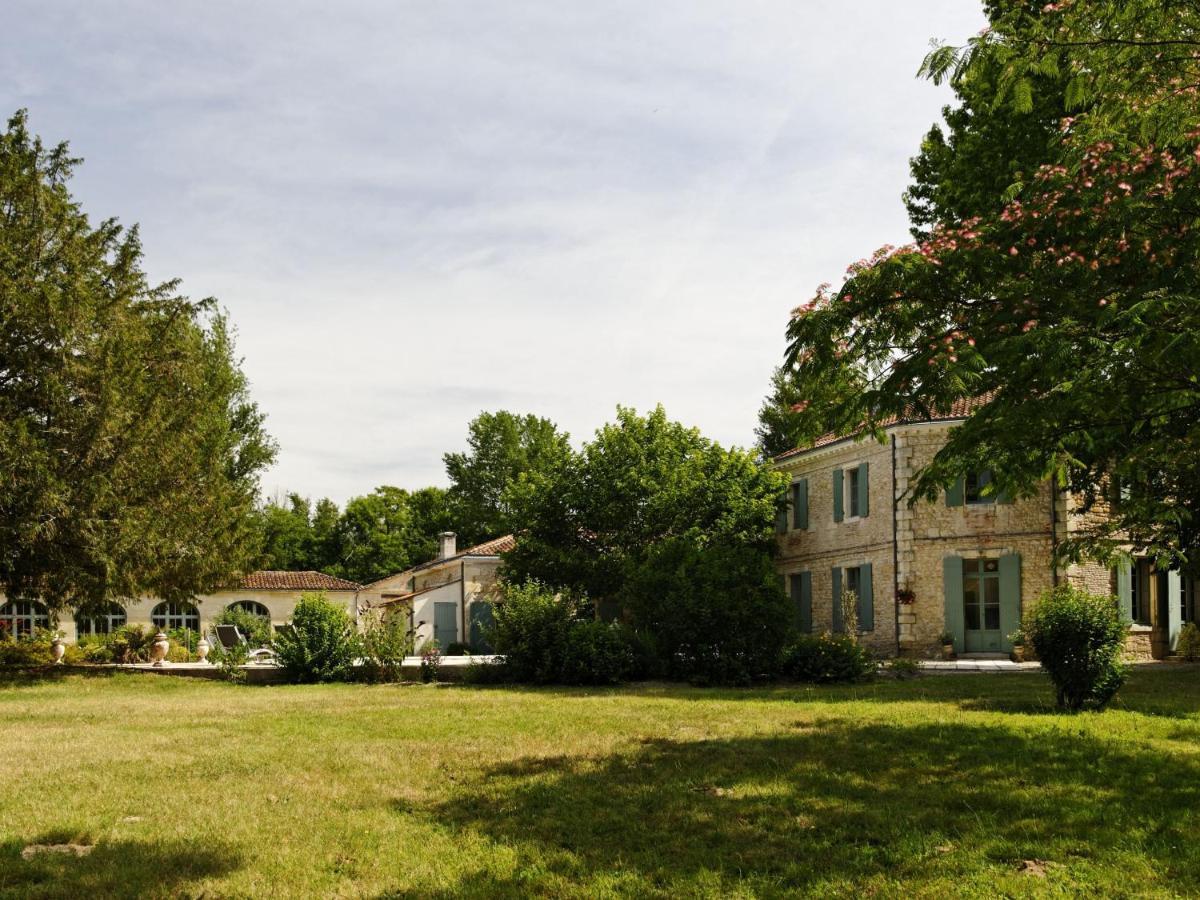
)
(968, 564)
(449, 598)
(272, 594)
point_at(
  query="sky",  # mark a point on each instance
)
(415, 211)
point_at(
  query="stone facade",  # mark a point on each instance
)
(908, 544)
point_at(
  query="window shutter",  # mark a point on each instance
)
(1125, 589)
(838, 627)
(954, 493)
(952, 591)
(802, 601)
(837, 495)
(1174, 606)
(800, 504)
(864, 490)
(781, 518)
(1001, 495)
(866, 599)
(1010, 596)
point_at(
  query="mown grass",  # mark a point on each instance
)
(935, 787)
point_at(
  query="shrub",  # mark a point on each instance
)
(827, 658)
(903, 669)
(255, 628)
(457, 648)
(321, 644)
(96, 648)
(1188, 646)
(130, 644)
(1078, 637)
(27, 650)
(714, 612)
(530, 631)
(384, 646)
(490, 672)
(431, 662)
(595, 653)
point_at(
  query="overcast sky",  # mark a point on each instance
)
(415, 211)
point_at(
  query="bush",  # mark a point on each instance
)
(256, 629)
(321, 644)
(595, 653)
(1078, 637)
(902, 669)
(1189, 642)
(431, 662)
(827, 658)
(714, 612)
(27, 650)
(543, 640)
(457, 648)
(384, 646)
(130, 644)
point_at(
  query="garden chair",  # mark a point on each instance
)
(230, 636)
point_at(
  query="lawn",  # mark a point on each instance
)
(943, 785)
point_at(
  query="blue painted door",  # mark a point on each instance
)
(445, 623)
(481, 622)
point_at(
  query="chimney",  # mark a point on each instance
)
(447, 544)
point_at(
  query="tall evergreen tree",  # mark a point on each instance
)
(130, 450)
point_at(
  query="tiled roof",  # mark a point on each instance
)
(278, 580)
(959, 409)
(494, 547)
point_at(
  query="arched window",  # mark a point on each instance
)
(100, 619)
(173, 614)
(253, 607)
(20, 618)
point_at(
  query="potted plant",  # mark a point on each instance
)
(905, 596)
(947, 641)
(1017, 639)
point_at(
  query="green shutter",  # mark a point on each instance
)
(1002, 496)
(837, 495)
(838, 626)
(866, 599)
(802, 601)
(1010, 597)
(954, 493)
(952, 590)
(800, 504)
(781, 517)
(1125, 589)
(864, 490)
(1174, 606)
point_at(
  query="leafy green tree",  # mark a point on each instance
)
(502, 447)
(286, 533)
(377, 535)
(1066, 300)
(130, 450)
(653, 521)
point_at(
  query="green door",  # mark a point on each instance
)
(481, 622)
(445, 623)
(981, 606)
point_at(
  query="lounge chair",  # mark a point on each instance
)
(229, 637)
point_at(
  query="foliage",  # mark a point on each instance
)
(530, 631)
(1188, 646)
(457, 648)
(827, 658)
(129, 447)
(945, 638)
(431, 662)
(596, 653)
(902, 668)
(1078, 637)
(254, 628)
(503, 447)
(385, 644)
(26, 651)
(849, 601)
(656, 520)
(231, 660)
(321, 644)
(130, 644)
(1054, 278)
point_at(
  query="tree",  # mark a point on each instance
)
(130, 450)
(654, 520)
(1065, 301)
(503, 447)
(286, 533)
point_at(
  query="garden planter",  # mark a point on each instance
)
(57, 648)
(1018, 654)
(158, 650)
(947, 651)
(202, 649)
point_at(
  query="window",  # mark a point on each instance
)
(1139, 592)
(253, 607)
(975, 482)
(1187, 601)
(171, 615)
(852, 477)
(854, 580)
(981, 594)
(100, 620)
(20, 618)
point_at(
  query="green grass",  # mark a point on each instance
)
(934, 787)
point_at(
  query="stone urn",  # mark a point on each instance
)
(158, 650)
(57, 648)
(947, 651)
(202, 649)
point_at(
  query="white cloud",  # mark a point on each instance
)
(417, 211)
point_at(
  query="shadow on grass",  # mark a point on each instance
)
(35, 676)
(836, 805)
(116, 868)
